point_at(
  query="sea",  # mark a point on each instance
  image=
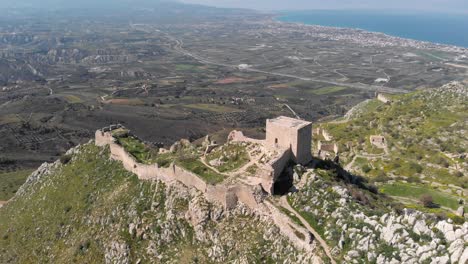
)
(451, 29)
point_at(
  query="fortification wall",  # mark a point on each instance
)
(280, 163)
(383, 98)
(103, 138)
(119, 153)
(326, 135)
(219, 193)
(288, 228)
(244, 195)
(238, 136)
(228, 197)
(189, 179)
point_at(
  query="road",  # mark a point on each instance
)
(284, 203)
(178, 47)
(292, 111)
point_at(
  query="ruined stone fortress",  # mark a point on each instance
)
(287, 140)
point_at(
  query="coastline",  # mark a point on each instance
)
(279, 18)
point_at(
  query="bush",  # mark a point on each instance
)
(381, 177)
(366, 168)
(416, 167)
(64, 159)
(427, 201)
(359, 196)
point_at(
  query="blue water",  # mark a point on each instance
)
(438, 28)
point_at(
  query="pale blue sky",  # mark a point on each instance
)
(421, 5)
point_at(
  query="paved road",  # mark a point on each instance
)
(284, 203)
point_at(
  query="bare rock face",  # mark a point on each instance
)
(44, 170)
(117, 252)
(198, 212)
(461, 211)
(175, 147)
(259, 193)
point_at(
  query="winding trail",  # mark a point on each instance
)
(284, 203)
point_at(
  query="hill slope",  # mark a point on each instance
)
(91, 210)
(425, 144)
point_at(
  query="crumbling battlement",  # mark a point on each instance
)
(383, 98)
(288, 139)
(227, 196)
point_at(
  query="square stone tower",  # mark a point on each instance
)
(290, 133)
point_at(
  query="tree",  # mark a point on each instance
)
(427, 200)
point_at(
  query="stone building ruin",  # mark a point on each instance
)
(383, 98)
(293, 134)
(227, 194)
(287, 140)
(378, 141)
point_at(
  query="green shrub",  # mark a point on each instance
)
(366, 168)
(64, 159)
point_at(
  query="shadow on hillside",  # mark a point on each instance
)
(343, 175)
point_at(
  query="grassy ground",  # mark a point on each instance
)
(11, 181)
(233, 155)
(7, 119)
(419, 128)
(84, 208)
(137, 149)
(73, 99)
(197, 167)
(328, 90)
(416, 191)
(62, 204)
(164, 160)
(213, 108)
(187, 67)
(126, 101)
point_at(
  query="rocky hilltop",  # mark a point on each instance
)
(91, 210)
(88, 207)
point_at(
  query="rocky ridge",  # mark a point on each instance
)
(376, 233)
(92, 209)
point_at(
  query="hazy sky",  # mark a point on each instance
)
(432, 5)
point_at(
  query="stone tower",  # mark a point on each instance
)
(289, 133)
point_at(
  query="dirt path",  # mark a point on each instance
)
(284, 203)
(349, 166)
(2, 203)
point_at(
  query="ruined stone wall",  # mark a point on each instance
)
(303, 149)
(228, 197)
(238, 136)
(328, 147)
(299, 140)
(189, 179)
(119, 153)
(326, 135)
(280, 136)
(280, 163)
(244, 195)
(383, 98)
(288, 228)
(219, 193)
(103, 138)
